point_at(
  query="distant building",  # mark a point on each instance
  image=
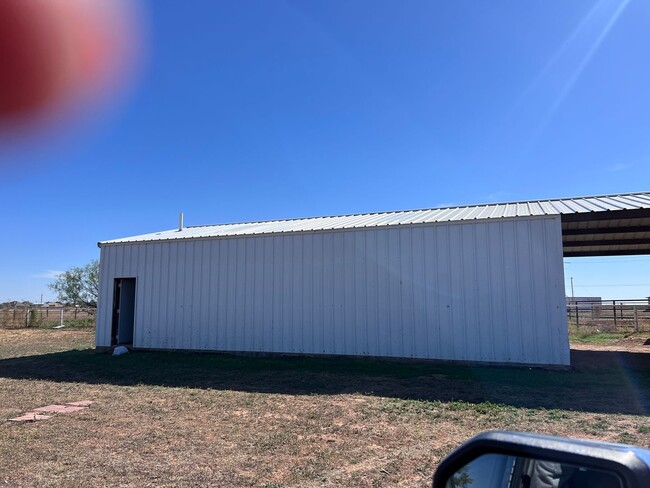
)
(583, 303)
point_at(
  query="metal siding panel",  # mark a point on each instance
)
(219, 293)
(148, 295)
(383, 294)
(239, 316)
(227, 295)
(371, 289)
(318, 294)
(203, 312)
(307, 302)
(360, 309)
(482, 288)
(339, 293)
(103, 325)
(456, 293)
(432, 319)
(471, 327)
(328, 294)
(255, 331)
(200, 307)
(510, 292)
(278, 287)
(189, 272)
(406, 295)
(162, 300)
(197, 324)
(172, 298)
(141, 296)
(287, 297)
(540, 333)
(420, 330)
(248, 300)
(498, 338)
(396, 337)
(525, 284)
(266, 286)
(215, 270)
(152, 271)
(185, 257)
(348, 297)
(297, 330)
(443, 287)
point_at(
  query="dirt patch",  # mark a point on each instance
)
(633, 343)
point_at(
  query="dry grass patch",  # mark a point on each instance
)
(173, 419)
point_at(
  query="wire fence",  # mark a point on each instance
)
(625, 315)
(38, 316)
(632, 315)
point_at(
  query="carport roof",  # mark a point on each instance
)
(591, 226)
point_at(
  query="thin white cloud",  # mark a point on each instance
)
(497, 196)
(49, 274)
(618, 167)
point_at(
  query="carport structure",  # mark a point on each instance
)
(468, 283)
(613, 225)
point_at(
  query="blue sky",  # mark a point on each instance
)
(251, 111)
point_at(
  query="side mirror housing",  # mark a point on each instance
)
(520, 460)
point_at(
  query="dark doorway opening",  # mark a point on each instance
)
(123, 311)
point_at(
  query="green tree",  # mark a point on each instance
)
(78, 286)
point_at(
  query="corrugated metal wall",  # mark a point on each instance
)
(481, 291)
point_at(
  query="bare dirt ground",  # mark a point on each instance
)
(174, 419)
(634, 343)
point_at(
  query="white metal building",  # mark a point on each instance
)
(475, 283)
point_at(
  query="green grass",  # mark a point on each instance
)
(591, 337)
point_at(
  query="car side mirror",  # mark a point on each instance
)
(520, 460)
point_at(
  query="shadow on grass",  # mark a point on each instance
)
(601, 381)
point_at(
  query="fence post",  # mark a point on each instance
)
(614, 308)
(636, 319)
(61, 323)
(27, 317)
(577, 316)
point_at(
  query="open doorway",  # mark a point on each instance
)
(123, 311)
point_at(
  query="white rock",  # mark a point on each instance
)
(119, 350)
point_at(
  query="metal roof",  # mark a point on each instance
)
(599, 210)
